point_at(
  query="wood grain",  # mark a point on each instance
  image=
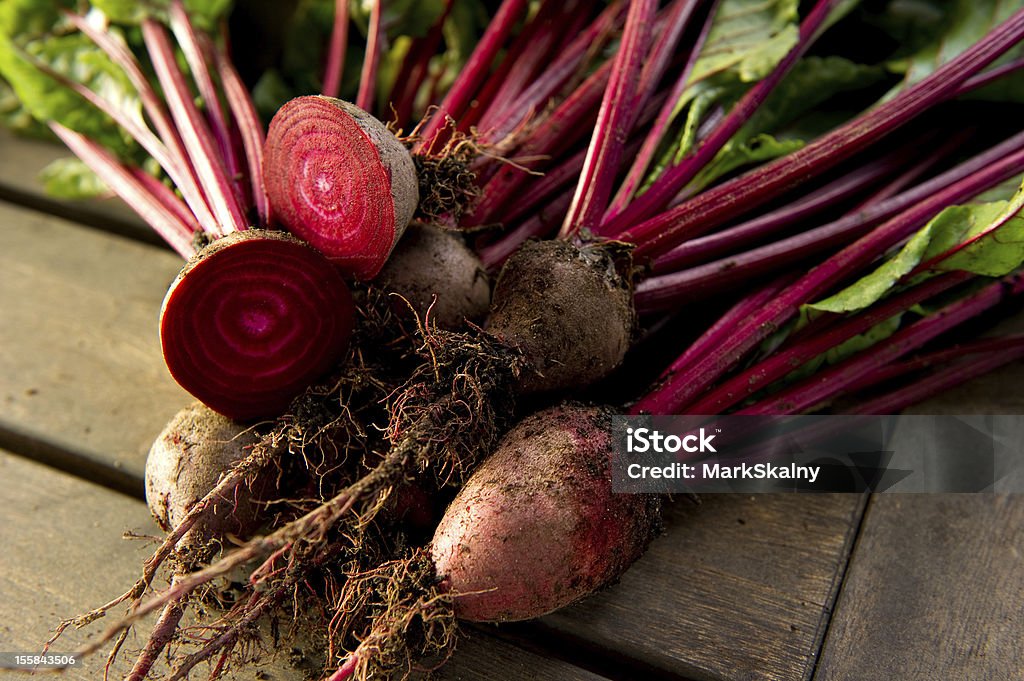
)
(79, 354)
(935, 587)
(739, 587)
(63, 554)
(935, 590)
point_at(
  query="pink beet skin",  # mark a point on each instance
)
(537, 526)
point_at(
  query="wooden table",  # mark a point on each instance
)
(823, 587)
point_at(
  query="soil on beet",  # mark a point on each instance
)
(569, 310)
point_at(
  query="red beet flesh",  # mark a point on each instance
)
(339, 180)
(252, 320)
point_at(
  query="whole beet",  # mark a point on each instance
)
(431, 262)
(195, 448)
(568, 309)
(537, 526)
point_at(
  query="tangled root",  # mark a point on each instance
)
(400, 614)
(447, 187)
(458, 401)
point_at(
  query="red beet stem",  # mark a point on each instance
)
(635, 177)
(726, 325)
(914, 173)
(415, 68)
(472, 74)
(137, 194)
(371, 59)
(167, 198)
(538, 225)
(531, 52)
(620, 107)
(825, 385)
(963, 181)
(250, 128)
(751, 381)
(195, 133)
(558, 131)
(180, 172)
(336, 50)
(556, 74)
(685, 386)
(992, 75)
(253, 321)
(703, 249)
(199, 65)
(346, 670)
(954, 366)
(672, 181)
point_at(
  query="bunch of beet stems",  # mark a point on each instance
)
(900, 216)
(213, 157)
(338, 44)
(680, 225)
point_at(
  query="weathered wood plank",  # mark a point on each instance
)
(935, 590)
(22, 159)
(739, 587)
(79, 354)
(63, 554)
(944, 573)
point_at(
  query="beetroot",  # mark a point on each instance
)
(195, 448)
(537, 526)
(568, 309)
(252, 320)
(434, 269)
(338, 179)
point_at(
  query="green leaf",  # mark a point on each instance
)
(962, 24)
(1004, 191)
(747, 38)
(69, 178)
(874, 286)
(400, 17)
(206, 14)
(811, 82)
(742, 152)
(46, 99)
(999, 251)
(779, 127)
(847, 348)
(14, 117)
